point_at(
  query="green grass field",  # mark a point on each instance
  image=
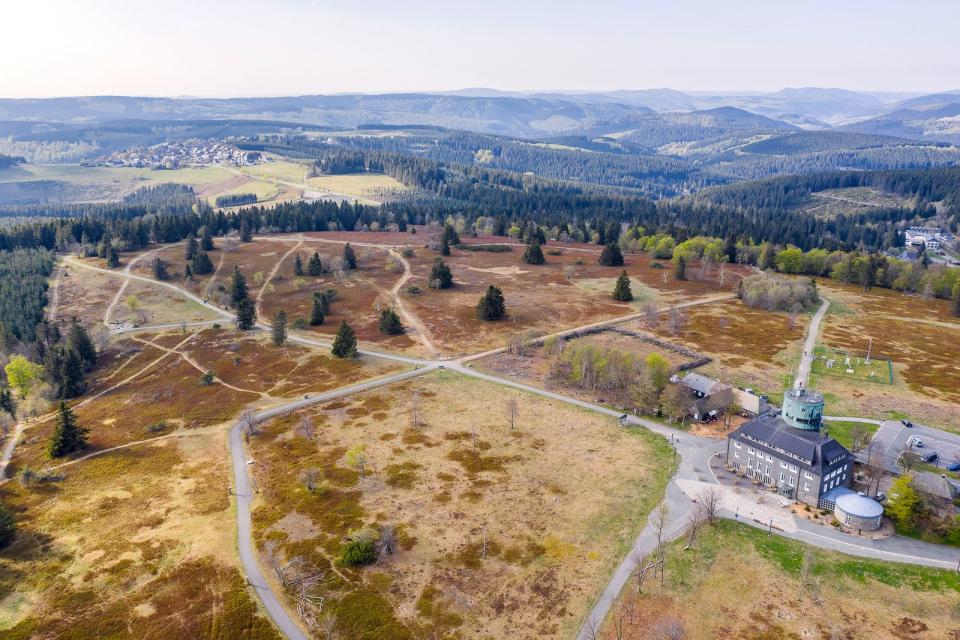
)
(851, 366)
(263, 191)
(283, 170)
(842, 430)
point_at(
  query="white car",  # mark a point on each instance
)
(916, 442)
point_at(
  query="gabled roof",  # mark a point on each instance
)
(809, 449)
(701, 383)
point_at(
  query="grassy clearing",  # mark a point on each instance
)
(281, 170)
(145, 304)
(133, 544)
(85, 294)
(76, 173)
(851, 366)
(263, 190)
(448, 498)
(842, 430)
(738, 582)
(358, 184)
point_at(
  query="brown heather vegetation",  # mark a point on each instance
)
(492, 542)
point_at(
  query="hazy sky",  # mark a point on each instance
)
(286, 47)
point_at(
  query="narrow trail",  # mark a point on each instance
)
(273, 273)
(216, 272)
(411, 319)
(809, 344)
(136, 443)
(51, 314)
(196, 365)
(125, 274)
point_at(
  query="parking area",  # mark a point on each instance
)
(895, 438)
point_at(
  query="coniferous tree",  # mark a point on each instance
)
(246, 315)
(345, 344)
(105, 243)
(188, 272)
(956, 299)
(190, 250)
(246, 234)
(201, 264)
(68, 436)
(279, 329)
(78, 340)
(440, 276)
(533, 254)
(322, 299)
(8, 403)
(444, 246)
(349, 258)
(206, 238)
(390, 324)
(492, 305)
(113, 259)
(238, 287)
(298, 266)
(8, 527)
(611, 255)
(680, 267)
(768, 255)
(622, 290)
(450, 235)
(71, 374)
(317, 314)
(315, 266)
(160, 269)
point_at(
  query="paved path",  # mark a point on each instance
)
(806, 359)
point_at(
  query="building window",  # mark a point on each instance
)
(781, 476)
(806, 487)
(736, 444)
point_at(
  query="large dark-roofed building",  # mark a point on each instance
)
(790, 452)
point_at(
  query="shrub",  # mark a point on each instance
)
(776, 293)
(358, 551)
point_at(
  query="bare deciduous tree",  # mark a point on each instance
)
(708, 504)
(512, 411)
(415, 408)
(874, 466)
(305, 427)
(653, 315)
(676, 320)
(311, 479)
(388, 541)
(670, 628)
(248, 421)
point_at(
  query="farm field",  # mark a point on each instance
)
(137, 543)
(918, 335)
(784, 589)
(478, 521)
(749, 347)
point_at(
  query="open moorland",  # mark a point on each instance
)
(918, 335)
(783, 590)
(490, 540)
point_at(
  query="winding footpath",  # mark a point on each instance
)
(693, 454)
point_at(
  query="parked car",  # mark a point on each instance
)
(929, 457)
(907, 424)
(953, 467)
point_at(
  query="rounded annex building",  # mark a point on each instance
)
(858, 512)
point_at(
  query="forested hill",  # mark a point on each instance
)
(9, 161)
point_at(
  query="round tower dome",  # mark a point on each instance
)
(803, 409)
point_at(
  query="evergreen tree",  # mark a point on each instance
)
(201, 264)
(113, 259)
(622, 291)
(78, 341)
(206, 238)
(8, 527)
(8, 403)
(70, 374)
(278, 331)
(444, 246)
(491, 305)
(390, 324)
(315, 267)
(679, 267)
(238, 287)
(246, 315)
(160, 269)
(297, 266)
(768, 256)
(440, 276)
(105, 243)
(956, 299)
(188, 273)
(68, 436)
(322, 298)
(533, 254)
(345, 344)
(349, 259)
(450, 235)
(317, 314)
(246, 234)
(611, 256)
(190, 250)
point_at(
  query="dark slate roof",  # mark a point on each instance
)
(809, 449)
(700, 383)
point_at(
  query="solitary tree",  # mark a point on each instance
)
(246, 233)
(297, 266)
(317, 314)
(206, 238)
(904, 505)
(349, 258)
(68, 436)
(238, 288)
(113, 259)
(160, 269)
(315, 267)
(279, 329)
(679, 267)
(444, 246)
(440, 276)
(201, 263)
(22, 374)
(390, 324)
(533, 254)
(622, 291)
(491, 305)
(345, 344)
(190, 249)
(611, 256)
(246, 315)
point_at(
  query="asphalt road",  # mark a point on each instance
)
(894, 438)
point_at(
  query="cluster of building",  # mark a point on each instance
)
(172, 155)
(931, 237)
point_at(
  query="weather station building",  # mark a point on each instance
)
(789, 450)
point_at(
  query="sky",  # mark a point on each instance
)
(293, 47)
